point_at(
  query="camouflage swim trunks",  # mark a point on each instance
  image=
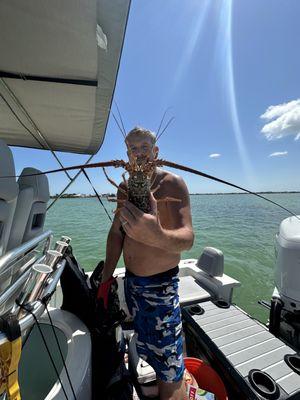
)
(154, 305)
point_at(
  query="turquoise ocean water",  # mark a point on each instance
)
(242, 226)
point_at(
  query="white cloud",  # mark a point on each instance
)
(278, 154)
(286, 120)
(215, 155)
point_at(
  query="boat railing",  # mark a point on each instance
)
(8, 293)
(27, 295)
(15, 267)
(37, 307)
(15, 262)
(7, 259)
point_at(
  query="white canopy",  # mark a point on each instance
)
(58, 67)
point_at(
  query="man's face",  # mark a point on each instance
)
(141, 149)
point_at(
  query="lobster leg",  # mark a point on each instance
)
(114, 200)
(113, 183)
(124, 179)
(155, 189)
(165, 198)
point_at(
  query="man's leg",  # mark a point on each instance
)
(172, 391)
(157, 322)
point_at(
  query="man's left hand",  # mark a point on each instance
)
(140, 226)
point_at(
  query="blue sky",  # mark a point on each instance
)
(219, 65)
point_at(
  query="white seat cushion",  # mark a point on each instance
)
(8, 195)
(190, 291)
(142, 370)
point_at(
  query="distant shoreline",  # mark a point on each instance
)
(221, 194)
(104, 196)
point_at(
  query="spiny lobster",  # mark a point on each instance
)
(139, 183)
(141, 170)
(158, 163)
(140, 174)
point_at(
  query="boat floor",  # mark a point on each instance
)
(236, 344)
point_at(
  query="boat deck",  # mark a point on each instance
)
(241, 344)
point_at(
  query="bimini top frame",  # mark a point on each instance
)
(58, 69)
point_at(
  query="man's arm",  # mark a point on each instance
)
(146, 228)
(114, 245)
(175, 240)
(181, 237)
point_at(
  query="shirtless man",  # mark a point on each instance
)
(151, 245)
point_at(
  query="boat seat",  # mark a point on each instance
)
(8, 194)
(190, 291)
(30, 213)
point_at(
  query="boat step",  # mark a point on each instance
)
(239, 345)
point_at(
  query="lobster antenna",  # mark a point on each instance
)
(120, 117)
(117, 122)
(167, 124)
(162, 120)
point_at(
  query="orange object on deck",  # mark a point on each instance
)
(206, 377)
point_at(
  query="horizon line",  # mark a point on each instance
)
(191, 194)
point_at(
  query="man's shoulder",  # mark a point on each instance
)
(169, 179)
(168, 176)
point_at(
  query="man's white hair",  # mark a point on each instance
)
(141, 132)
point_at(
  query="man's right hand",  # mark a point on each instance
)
(104, 290)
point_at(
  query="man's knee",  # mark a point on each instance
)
(172, 391)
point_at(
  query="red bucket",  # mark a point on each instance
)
(206, 377)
